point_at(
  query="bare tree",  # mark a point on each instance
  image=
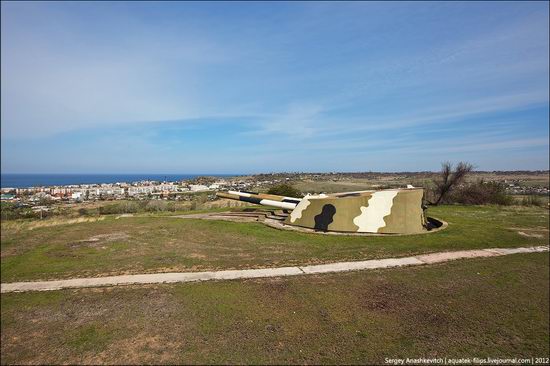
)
(448, 179)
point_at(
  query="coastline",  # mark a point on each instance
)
(28, 180)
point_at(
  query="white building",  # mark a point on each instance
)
(134, 191)
(167, 187)
(198, 187)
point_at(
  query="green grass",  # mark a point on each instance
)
(152, 244)
(487, 307)
(199, 211)
(93, 337)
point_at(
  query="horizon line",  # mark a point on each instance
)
(281, 172)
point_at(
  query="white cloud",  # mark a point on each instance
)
(441, 114)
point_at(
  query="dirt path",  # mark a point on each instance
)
(264, 272)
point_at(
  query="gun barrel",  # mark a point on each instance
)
(267, 196)
(258, 200)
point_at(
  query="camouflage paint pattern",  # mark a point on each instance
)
(395, 211)
(266, 196)
(258, 199)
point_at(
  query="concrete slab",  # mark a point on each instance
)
(356, 266)
(449, 256)
(261, 272)
(150, 278)
(107, 281)
(505, 251)
(257, 273)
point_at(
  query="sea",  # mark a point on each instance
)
(38, 180)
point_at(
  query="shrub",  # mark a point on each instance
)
(159, 206)
(119, 208)
(10, 211)
(285, 190)
(14, 211)
(449, 179)
(481, 193)
(89, 211)
(137, 206)
(532, 201)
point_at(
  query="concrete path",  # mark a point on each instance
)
(265, 272)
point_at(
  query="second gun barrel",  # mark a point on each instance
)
(258, 200)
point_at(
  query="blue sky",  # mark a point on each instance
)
(241, 87)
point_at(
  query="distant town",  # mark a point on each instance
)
(140, 190)
(516, 183)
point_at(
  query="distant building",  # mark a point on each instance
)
(198, 187)
(7, 197)
(134, 191)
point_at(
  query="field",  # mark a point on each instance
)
(164, 244)
(495, 307)
(394, 180)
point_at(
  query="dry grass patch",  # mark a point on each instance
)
(154, 244)
(495, 307)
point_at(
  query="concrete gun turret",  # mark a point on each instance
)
(395, 211)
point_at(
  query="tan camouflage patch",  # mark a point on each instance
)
(407, 216)
(372, 216)
(396, 211)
